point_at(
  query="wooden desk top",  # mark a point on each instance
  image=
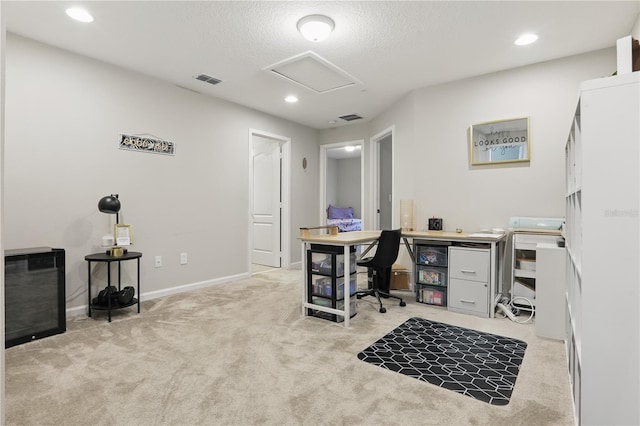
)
(355, 237)
(454, 236)
(343, 238)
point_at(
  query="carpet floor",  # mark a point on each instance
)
(240, 353)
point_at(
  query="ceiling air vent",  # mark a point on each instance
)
(351, 117)
(208, 79)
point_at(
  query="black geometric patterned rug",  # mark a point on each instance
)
(480, 365)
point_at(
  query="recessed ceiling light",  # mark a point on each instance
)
(316, 27)
(525, 39)
(79, 14)
(349, 148)
(291, 99)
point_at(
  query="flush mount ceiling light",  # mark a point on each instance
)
(525, 39)
(79, 14)
(291, 99)
(316, 27)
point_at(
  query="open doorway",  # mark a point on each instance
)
(342, 179)
(269, 220)
(382, 186)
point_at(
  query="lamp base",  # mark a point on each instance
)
(116, 251)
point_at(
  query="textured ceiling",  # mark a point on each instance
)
(392, 47)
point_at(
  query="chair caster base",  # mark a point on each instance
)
(402, 303)
(383, 310)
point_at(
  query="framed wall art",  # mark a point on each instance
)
(500, 141)
(123, 235)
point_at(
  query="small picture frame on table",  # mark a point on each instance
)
(123, 235)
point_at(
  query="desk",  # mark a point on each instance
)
(494, 241)
(348, 239)
(105, 258)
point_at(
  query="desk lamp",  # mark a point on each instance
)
(111, 204)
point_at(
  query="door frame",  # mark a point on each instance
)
(323, 178)
(285, 198)
(374, 170)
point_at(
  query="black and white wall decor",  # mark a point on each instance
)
(146, 144)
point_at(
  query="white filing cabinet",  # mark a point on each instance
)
(550, 291)
(469, 289)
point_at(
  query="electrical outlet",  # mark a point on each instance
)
(158, 261)
(183, 258)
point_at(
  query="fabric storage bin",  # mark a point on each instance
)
(432, 255)
(432, 276)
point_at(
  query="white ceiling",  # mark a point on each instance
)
(390, 47)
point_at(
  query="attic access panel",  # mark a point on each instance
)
(313, 72)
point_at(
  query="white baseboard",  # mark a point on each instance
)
(82, 310)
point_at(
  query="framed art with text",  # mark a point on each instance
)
(500, 141)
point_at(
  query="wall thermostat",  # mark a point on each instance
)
(435, 224)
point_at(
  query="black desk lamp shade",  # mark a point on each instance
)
(110, 204)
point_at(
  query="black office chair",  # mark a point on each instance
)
(379, 274)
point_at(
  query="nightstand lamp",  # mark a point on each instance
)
(111, 205)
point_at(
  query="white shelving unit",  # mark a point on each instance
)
(524, 264)
(602, 240)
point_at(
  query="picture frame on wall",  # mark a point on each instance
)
(500, 141)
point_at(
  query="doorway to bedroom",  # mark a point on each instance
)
(341, 185)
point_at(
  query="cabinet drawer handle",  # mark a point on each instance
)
(467, 301)
(468, 271)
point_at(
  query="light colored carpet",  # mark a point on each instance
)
(242, 354)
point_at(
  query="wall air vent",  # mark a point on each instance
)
(350, 117)
(208, 79)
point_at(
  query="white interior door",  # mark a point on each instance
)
(266, 202)
(382, 199)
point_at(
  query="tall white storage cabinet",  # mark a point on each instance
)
(603, 239)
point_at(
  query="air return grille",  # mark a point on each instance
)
(208, 79)
(350, 117)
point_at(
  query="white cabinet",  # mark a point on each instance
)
(469, 289)
(524, 264)
(550, 291)
(602, 242)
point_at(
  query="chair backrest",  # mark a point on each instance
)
(387, 251)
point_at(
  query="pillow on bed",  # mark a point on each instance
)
(339, 213)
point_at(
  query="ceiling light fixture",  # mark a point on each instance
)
(316, 27)
(79, 14)
(349, 148)
(525, 39)
(291, 99)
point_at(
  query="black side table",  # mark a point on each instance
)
(105, 258)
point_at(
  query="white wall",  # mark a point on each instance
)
(431, 154)
(64, 113)
(2, 109)
(343, 183)
(348, 178)
(331, 183)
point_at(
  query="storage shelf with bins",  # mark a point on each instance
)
(602, 246)
(326, 280)
(431, 272)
